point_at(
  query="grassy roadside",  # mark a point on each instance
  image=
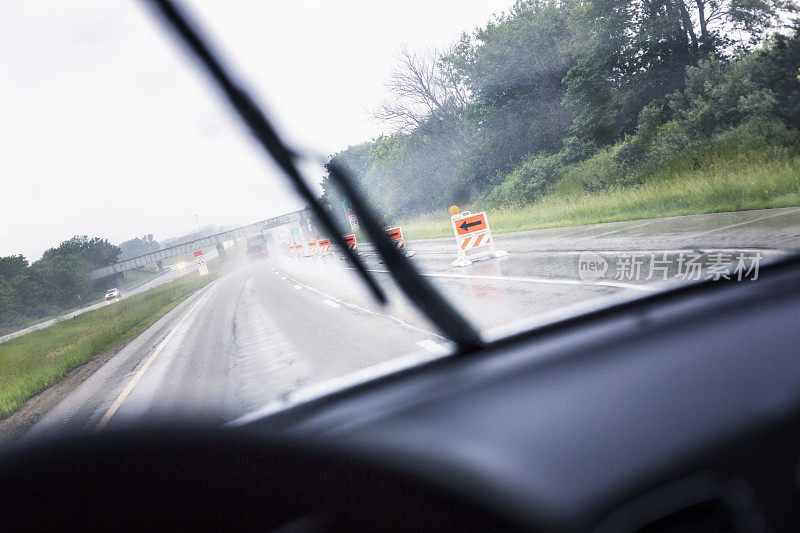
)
(133, 277)
(756, 180)
(31, 363)
(33, 321)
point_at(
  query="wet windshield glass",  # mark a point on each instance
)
(511, 163)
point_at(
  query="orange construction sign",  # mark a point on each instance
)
(350, 241)
(471, 224)
(479, 240)
(394, 233)
(472, 232)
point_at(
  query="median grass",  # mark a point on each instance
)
(721, 180)
(134, 277)
(35, 361)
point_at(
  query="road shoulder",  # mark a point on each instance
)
(18, 423)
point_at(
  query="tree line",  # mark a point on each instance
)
(59, 280)
(501, 115)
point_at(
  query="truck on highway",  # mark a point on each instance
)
(256, 247)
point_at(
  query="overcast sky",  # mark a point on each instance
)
(108, 131)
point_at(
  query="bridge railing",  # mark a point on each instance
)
(180, 249)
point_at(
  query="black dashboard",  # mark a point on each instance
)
(676, 412)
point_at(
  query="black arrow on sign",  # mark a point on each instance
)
(395, 234)
(464, 226)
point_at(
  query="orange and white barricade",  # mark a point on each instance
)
(473, 237)
(323, 246)
(350, 241)
(312, 247)
(395, 234)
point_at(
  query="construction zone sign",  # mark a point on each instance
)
(395, 234)
(201, 262)
(293, 249)
(350, 242)
(473, 237)
(324, 246)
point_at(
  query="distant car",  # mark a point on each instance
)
(112, 294)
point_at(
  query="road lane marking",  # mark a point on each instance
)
(550, 281)
(370, 312)
(298, 287)
(612, 232)
(675, 251)
(603, 283)
(129, 388)
(546, 281)
(747, 222)
(330, 303)
(703, 249)
(433, 347)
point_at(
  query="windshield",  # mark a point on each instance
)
(289, 198)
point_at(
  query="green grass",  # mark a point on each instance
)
(726, 179)
(133, 277)
(22, 324)
(33, 362)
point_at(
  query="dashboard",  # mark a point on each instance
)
(675, 412)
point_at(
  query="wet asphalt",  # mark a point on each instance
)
(272, 329)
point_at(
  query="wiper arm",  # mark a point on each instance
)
(261, 129)
(419, 291)
(416, 287)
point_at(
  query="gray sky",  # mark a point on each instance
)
(108, 131)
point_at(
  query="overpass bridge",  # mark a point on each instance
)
(301, 218)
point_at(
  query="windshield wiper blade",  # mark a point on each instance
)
(416, 287)
(261, 128)
(419, 291)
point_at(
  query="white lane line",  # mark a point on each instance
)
(330, 303)
(676, 251)
(554, 281)
(546, 281)
(612, 232)
(370, 312)
(433, 347)
(298, 287)
(129, 388)
(774, 215)
(703, 249)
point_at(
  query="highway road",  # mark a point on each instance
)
(268, 331)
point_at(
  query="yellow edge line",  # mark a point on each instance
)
(129, 388)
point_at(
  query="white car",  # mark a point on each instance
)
(112, 294)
